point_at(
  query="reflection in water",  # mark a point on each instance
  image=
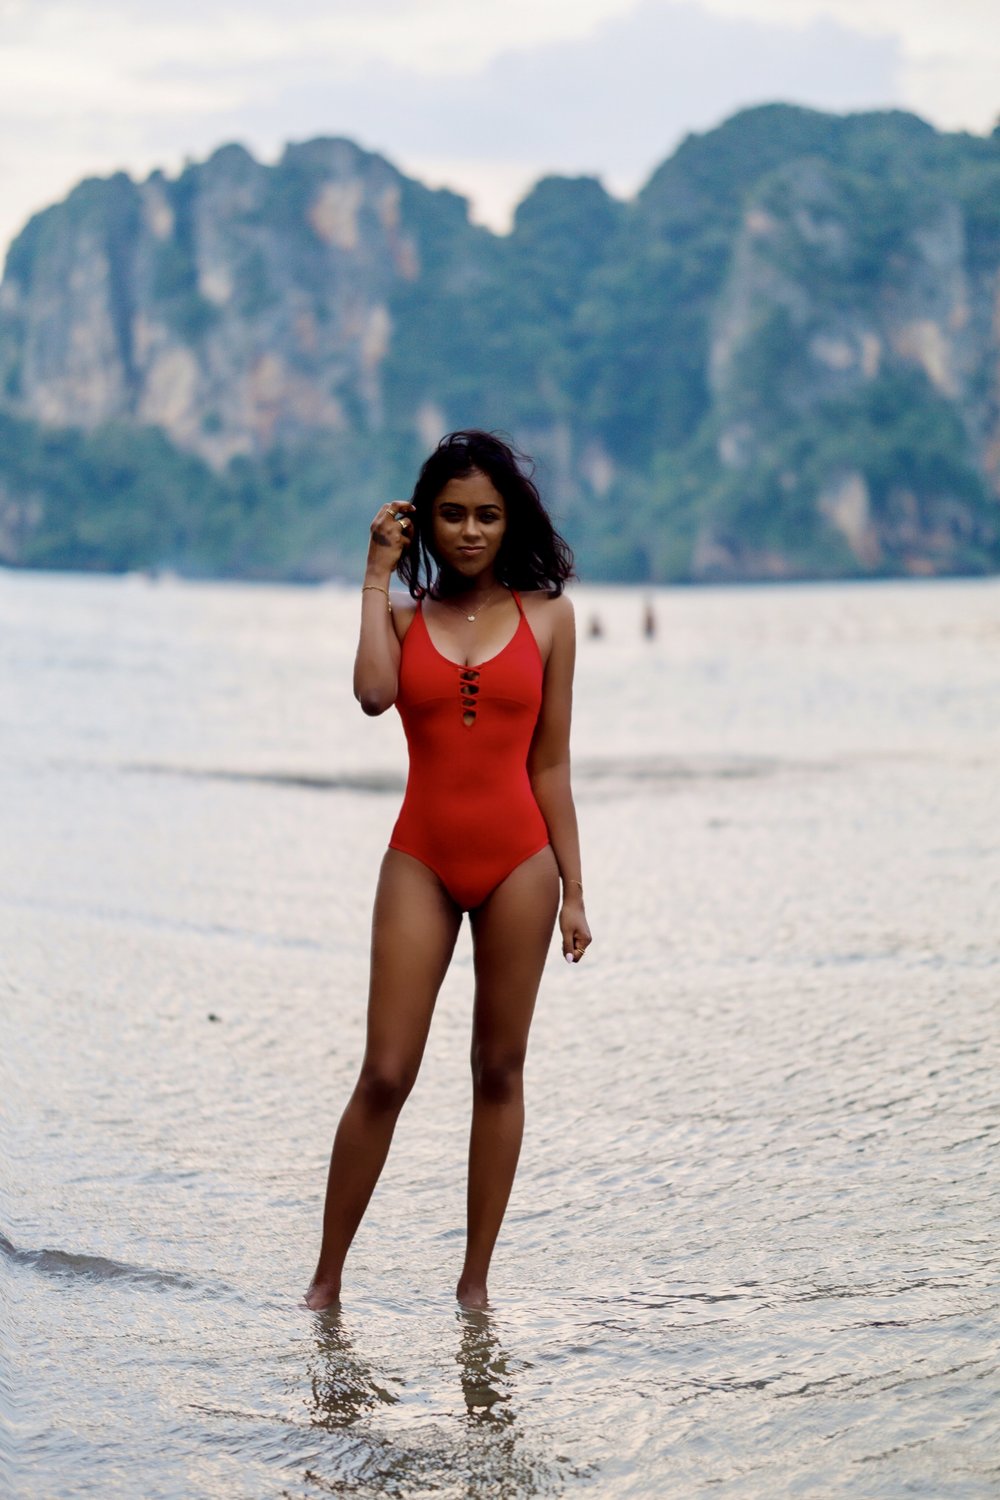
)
(343, 1384)
(498, 1456)
(487, 1377)
(401, 1443)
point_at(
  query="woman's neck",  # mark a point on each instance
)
(450, 585)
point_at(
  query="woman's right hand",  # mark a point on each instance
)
(392, 531)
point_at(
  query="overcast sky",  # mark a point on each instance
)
(481, 95)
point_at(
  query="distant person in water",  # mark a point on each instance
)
(479, 662)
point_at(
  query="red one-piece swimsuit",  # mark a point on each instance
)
(469, 813)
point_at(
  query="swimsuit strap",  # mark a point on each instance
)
(517, 601)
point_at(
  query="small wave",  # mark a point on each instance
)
(637, 770)
(157, 923)
(663, 769)
(347, 781)
(72, 1264)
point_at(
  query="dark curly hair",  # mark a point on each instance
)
(532, 554)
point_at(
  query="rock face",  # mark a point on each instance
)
(782, 359)
(820, 304)
(238, 307)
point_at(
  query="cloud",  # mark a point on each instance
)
(440, 37)
(949, 54)
(439, 86)
(621, 98)
(615, 102)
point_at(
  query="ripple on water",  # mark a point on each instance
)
(751, 1250)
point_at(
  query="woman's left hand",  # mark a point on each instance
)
(576, 938)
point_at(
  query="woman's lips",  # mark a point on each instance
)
(471, 551)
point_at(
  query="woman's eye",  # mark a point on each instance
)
(486, 518)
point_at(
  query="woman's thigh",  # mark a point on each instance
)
(414, 927)
(511, 933)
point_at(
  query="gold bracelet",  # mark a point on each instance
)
(575, 882)
(377, 588)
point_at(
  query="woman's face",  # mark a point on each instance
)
(468, 522)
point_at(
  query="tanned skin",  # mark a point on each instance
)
(415, 921)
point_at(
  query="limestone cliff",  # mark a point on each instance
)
(781, 359)
(238, 307)
(820, 305)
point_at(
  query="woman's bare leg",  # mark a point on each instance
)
(414, 927)
(511, 934)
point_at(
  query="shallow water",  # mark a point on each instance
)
(752, 1245)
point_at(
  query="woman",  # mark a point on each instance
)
(481, 670)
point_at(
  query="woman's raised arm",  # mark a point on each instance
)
(376, 666)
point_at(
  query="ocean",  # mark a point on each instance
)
(752, 1247)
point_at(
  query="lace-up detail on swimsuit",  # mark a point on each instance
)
(468, 688)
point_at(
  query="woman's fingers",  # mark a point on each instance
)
(576, 940)
(401, 511)
(393, 526)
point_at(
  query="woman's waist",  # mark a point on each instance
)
(487, 744)
(453, 776)
(468, 786)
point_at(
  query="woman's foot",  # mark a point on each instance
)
(472, 1293)
(322, 1294)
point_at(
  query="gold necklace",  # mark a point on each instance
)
(479, 609)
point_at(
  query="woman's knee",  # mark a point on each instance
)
(384, 1086)
(497, 1077)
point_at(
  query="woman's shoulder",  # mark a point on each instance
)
(550, 618)
(548, 613)
(559, 606)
